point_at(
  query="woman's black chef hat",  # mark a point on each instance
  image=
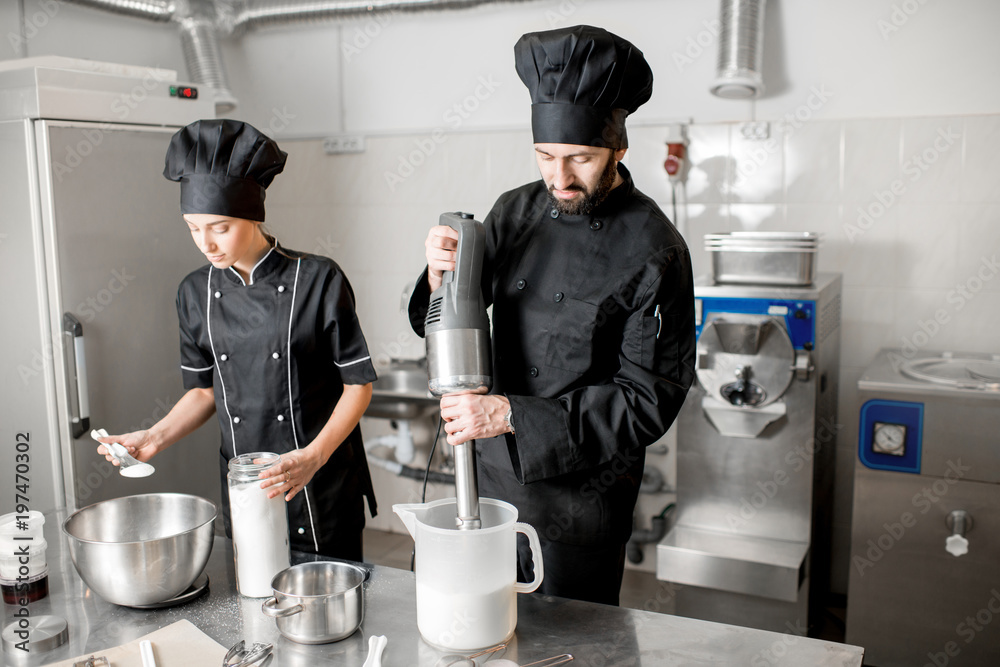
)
(224, 167)
(583, 82)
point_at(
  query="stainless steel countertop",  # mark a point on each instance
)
(597, 635)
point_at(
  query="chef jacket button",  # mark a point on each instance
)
(276, 355)
(281, 288)
(533, 372)
(281, 418)
(236, 420)
(223, 356)
(558, 297)
(596, 224)
(521, 284)
(554, 213)
(302, 531)
(218, 294)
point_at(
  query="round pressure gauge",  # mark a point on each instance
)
(889, 439)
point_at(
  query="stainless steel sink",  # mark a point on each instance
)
(400, 392)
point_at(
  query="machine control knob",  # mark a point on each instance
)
(959, 523)
(956, 545)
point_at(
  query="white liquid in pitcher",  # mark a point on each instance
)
(260, 538)
(466, 621)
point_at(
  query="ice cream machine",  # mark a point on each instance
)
(756, 438)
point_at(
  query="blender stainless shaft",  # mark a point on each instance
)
(466, 487)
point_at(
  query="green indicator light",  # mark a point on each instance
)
(173, 91)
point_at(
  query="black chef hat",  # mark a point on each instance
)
(223, 166)
(583, 82)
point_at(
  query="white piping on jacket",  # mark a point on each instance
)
(351, 363)
(233, 269)
(211, 343)
(291, 404)
(197, 370)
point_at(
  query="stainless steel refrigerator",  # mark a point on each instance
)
(92, 248)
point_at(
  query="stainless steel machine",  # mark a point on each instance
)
(92, 248)
(924, 586)
(755, 449)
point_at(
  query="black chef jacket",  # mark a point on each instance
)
(593, 344)
(277, 352)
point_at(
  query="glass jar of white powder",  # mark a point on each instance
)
(260, 525)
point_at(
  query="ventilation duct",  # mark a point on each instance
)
(204, 60)
(260, 13)
(154, 10)
(202, 21)
(741, 50)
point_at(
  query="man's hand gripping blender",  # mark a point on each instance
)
(457, 331)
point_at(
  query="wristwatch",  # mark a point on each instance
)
(507, 419)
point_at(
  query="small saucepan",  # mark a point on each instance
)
(317, 603)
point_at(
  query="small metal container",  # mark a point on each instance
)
(317, 603)
(763, 258)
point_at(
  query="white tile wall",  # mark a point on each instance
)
(814, 162)
(982, 159)
(871, 158)
(915, 245)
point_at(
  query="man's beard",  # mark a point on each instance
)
(590, 200)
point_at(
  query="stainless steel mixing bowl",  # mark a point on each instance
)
(141, 550)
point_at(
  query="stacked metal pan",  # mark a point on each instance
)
(763, 258)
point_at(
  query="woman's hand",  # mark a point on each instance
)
(471, 416)
(292, 473)
(139, 444)
(440, 248)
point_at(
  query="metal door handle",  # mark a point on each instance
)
(76, 376)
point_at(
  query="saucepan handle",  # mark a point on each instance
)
(270, 609)
(536, 558)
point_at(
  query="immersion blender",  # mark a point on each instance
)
(457, 331)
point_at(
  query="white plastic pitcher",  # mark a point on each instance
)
(467, 579)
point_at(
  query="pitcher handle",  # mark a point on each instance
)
(536, 558)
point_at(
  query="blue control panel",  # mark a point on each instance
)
(889, 435)
(799, 316)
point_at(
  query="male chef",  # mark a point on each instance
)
(593, 318)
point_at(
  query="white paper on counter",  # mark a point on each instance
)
(180, 644)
